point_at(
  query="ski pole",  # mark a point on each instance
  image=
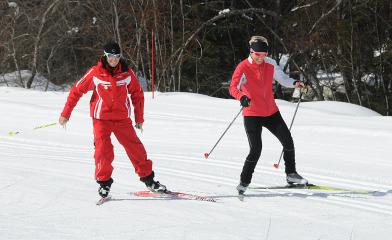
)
(206, 155)
(13, 133)
(276, 165)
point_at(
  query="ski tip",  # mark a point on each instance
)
(206, 155)
(276, 166)
(103, 200)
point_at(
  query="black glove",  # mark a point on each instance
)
(245, 101)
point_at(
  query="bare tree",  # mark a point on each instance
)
(58, 38)
(116, 22)
(51, 8)
(10, 24)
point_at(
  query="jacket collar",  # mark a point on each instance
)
(253, 64)
(104, 67)
(250, 60)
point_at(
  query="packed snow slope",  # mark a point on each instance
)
(47, 187)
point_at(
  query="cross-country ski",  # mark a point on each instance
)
(174, 195)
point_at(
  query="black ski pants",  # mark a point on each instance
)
(276, 125)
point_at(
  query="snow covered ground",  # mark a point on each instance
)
(47, 188)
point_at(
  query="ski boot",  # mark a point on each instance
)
(296, 179)
(241, 188)
(156, 186)
(104, 187)
(153, 186)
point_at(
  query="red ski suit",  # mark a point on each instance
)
(255, 81)
(110, 110)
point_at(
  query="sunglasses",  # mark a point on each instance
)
(111, 55)
(259, 54)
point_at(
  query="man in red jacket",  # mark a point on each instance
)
(113, 84)
(251, 83)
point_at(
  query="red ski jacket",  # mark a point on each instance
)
(110, 99)
(255, 81)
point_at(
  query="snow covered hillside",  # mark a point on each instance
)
(47, 188)
(19, 79)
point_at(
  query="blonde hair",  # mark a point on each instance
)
(258, 38)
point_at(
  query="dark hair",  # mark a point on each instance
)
(123, 63)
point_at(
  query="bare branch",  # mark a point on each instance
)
(324, 15)
(223, 14)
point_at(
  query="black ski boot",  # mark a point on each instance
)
(296, 179)
(104, 187)
(153, 186)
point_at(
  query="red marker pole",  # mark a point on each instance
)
(152, 63)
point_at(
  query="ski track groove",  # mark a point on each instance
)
(195, 118)
(217, 163)
(187, 159)
(36, 144)
(365, 156)
(193, 160)
(372, 207)
(237, 166)
(212, 162)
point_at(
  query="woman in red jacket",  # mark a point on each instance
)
(252, 84)
(113, 84)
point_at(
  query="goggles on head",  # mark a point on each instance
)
(112, 55)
